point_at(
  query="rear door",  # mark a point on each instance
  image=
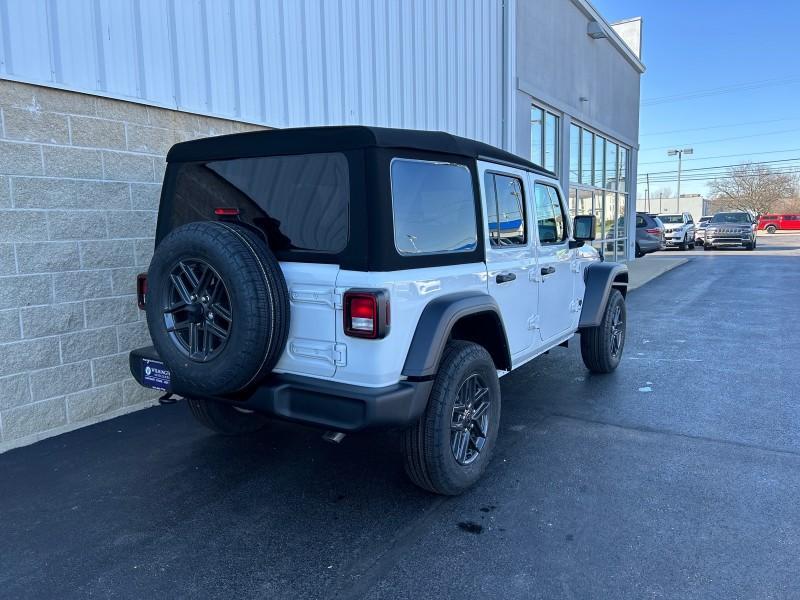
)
(556, 263)
(509, 252)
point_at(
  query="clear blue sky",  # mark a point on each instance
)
(703, 45)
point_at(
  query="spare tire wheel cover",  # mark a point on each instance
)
(241, 340)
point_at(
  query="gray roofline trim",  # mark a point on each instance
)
(613, 37)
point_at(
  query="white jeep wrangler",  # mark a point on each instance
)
(356, 278)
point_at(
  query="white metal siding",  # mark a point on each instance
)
(427, 64)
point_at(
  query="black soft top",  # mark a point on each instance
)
(306, 140)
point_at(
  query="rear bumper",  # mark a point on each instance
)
(317, 402)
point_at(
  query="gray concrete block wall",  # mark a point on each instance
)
(80, 180)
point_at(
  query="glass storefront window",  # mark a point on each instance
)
(545, 139)
(598, 169)
(611, 165)
(537, 135)
(586, 157)
(550, 141)
(599, 155)
(574, 153)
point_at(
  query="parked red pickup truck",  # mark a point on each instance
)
(772, 223)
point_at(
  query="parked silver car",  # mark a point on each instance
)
(649, 234)
(700, 231)
(731, 230)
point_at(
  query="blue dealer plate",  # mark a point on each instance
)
(155, 375)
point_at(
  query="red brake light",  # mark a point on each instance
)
(656, 230)
(141, 290)
(366, 313)
(226, 212)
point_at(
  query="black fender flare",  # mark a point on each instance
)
(436, 324)
(600, 278)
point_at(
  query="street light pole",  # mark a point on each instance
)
(680, 154)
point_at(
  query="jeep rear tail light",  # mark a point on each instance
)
(366, 313)
(141, 290)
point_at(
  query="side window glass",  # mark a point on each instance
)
(505, 208)
(433, 205)
(550, 219)
(640, 222)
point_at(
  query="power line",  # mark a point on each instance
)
(706, 177)
(738, 137)
(739, 87)
(660, 162)
(741, 124)
(717, 167)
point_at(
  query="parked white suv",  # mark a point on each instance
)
(678, 230)
(356, 278)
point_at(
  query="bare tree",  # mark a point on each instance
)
(752, 187)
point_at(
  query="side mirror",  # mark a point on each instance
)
(585, 226)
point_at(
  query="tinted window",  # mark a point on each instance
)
(505, 207)
(301, 202)
(640, 222)
(549, 215)
(732, 217)
(433, 206)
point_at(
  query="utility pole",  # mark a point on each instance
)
(647, 195)
(659, 202)
(680, 154)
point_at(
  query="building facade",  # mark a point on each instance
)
(93, 94)
(695, 204)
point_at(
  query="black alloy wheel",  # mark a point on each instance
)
(617, 333)
(197, 310)
(469, 423)
(602, 345)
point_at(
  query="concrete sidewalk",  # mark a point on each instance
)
(645, 269)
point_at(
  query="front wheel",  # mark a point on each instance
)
(771, 229)
(449, 448)
(601, 346)
(708, 247)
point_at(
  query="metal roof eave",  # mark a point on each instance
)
(614, 39)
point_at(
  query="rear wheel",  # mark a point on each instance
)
(601, 346)
(225, 418)
(449, 448)
(638, 252)
(771, 229)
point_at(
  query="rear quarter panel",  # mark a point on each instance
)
(378, 363)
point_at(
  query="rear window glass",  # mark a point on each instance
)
(433, 205)
(302, 202)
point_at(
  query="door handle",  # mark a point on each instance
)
(548, 270)
(505, 277)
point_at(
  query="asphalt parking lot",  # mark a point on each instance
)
(677, 476)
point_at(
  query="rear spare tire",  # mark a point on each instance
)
(217, 307)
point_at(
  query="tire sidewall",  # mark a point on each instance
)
(243, 352)
(459, 477)
(614, 300)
